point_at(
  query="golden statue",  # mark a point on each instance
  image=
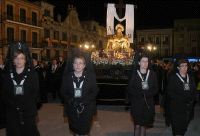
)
(117, 51)
(119, 43)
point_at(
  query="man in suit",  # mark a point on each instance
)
(53, 78)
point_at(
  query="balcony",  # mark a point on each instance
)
(16, 18)
(6, 42)
(35, 45)
(53, 43)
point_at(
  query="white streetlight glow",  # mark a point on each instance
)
(149, 47)
(93, 46)
(87, 46)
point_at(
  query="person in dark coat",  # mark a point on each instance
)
(52, 76)
(79, 90)
(2, 106)
(156, 67)
(61, 68)
(20, 90)
(43, 82)
(169, 69)
(181, 92)
(40, 75)
(141, 90)
(61, 64)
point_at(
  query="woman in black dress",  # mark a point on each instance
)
(79, 91)
(181, 93)
(20, 94)
(141, 90)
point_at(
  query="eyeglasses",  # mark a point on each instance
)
(184, 65)
(76, 63)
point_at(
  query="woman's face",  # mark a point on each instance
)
(79, 64)
(20, 60)
(144, 63)
(119, 30)
(183, 68)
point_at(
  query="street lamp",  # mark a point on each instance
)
(151, 47)
(87, 46)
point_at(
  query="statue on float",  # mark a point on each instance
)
(118, 45)
(117, 50)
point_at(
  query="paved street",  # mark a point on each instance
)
(113, 121)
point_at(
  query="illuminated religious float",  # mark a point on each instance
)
(117, 50)
(113, 67)
(113, 64)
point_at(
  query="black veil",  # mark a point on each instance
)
(73, 52)
(14, 47)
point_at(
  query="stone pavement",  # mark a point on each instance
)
(112, 121)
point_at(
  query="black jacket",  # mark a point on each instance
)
(180, 103)
(142, 101)
(26, 102)
(79, 124)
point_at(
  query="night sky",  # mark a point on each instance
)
(148, 14)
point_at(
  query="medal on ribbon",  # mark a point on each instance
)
(19, 90)
(77, 92)
(145, 85)
(186, 86)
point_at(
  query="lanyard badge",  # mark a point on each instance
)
(186, 85)
(144, 83)
(18, 90)
(78, 90)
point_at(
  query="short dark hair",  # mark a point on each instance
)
(17, 52)
(143, 56)
(181, 61)
(79, 57)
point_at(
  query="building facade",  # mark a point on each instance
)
(20, 22)
(59, 36)
(187, 37)
(161, 39)
(34, 24)
(182, 39)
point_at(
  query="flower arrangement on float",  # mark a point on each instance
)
(117, 51)
(112, 61)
